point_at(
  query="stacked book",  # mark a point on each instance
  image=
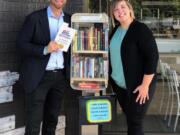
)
(7, 79)
(89, 67)
(91, 38)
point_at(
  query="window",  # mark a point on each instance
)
(163, 17)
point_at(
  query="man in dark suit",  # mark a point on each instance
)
(44, 68)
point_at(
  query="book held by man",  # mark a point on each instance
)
(64, 37)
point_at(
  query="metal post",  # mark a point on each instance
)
(158, 17)
(158, 13)
(100, 7)
(141, 13)
(89, 129)
(107, 7)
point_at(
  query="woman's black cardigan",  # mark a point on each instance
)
(139, 54)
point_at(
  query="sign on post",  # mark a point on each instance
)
(97, 110)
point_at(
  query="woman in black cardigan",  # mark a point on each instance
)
(133, 63)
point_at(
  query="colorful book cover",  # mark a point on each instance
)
(64, 37)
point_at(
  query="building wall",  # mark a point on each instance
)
(12, 15)
(74, 6)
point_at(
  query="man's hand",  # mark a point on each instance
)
(53, 47)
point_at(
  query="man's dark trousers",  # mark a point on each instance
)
(43, 104)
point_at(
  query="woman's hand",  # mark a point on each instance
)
(143, 89)
(143, 94)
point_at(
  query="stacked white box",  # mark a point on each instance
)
(7, 123)
(60, 128)
(60, 131)
(7, 79)
(18, 131)
(61, 122)
(6, 94)
(21, 131)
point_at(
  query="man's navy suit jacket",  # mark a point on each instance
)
(33, 37)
